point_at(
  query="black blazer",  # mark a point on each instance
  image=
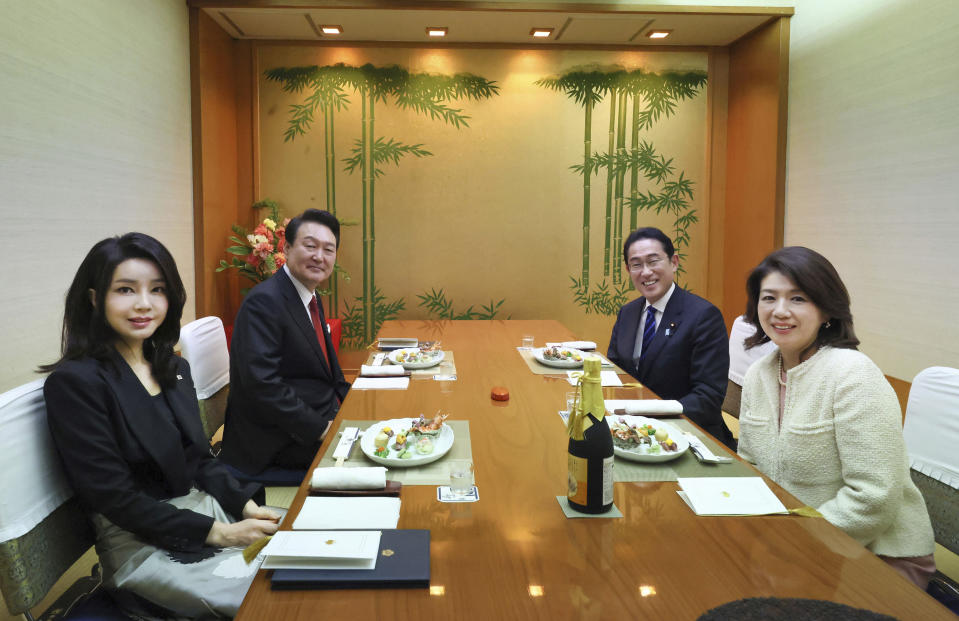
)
(281, 391)
(123, 458)
(690, 365)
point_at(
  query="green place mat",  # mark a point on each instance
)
(436, 473)
(421, 373)
(686, 465)
(539, 368)
(569, 512)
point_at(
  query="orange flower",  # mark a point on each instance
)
(280, 259)
(252, 259)
(263, 250)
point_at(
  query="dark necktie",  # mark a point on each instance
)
(649, 330)
(318, 328)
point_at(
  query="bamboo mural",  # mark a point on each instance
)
(422, 93)
(653, 97)
(328, 95)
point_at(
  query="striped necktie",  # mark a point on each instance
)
(649, 330)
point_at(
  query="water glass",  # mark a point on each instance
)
(570, 401)
(527, 342)
(461, 476)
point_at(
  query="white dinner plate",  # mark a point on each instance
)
(561, 364)
(437, 357)
(639, 454)
(441, 444)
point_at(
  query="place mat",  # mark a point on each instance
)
(686, 465)
(569, 512)
(420, 373)
(539, 368)
(436, 473)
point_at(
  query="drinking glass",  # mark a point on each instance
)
(461, 476)
(527, 342)
(570, 401)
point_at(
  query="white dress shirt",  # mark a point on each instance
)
(660, 306)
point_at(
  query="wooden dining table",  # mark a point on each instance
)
(515, 555)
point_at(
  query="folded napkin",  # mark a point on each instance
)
(644, 406)
(580, 345)
(373, 477)
(382, 371)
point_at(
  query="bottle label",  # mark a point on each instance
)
(608, 480)
(577, 479)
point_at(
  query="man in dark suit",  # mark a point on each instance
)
(670, 340)
(286, 384)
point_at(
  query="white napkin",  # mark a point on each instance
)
(647, 406)
(349, 478)
(381, 371)
(381, 383)
(580, 345)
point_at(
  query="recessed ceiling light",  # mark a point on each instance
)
(541, 33)
(437, 31)
(331, 30)
(658, 34)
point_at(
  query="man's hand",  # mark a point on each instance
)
(252, 510)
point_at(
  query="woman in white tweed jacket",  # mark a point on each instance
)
(820, 419)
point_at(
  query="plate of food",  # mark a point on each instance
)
(560, 357)
(416, 357)
(406, 442)
(638, 438)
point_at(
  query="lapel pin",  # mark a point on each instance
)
(670, 329)
(179, 377)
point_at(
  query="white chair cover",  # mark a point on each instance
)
(203, 345)
(740, 358)
(931, 429)
(33, 480)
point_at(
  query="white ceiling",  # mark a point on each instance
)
(488, 26)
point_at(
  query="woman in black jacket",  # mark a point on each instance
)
(170, 520)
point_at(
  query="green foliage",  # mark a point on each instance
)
(383, 310)
(384, 151)
(437, 305)
(603, 299)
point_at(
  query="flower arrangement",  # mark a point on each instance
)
(258, 254)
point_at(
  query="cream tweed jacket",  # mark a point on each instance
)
(840, 448)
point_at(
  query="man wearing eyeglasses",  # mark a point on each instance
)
(670, 340)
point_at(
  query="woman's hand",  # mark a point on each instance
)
(239, 533)
(252, 510)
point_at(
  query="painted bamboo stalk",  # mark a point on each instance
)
(369, 293)
(331, 207)
(634, 167)
(364, 170)
(587, 187)
(620, 179)
(607, 265)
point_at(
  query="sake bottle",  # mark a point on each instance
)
(590, 448)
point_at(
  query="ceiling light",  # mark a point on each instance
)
(331, 30)
(437, 31)
(541, 33)
(658, 34)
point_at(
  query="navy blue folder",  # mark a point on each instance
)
(406, 564)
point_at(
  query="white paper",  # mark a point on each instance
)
(332, 513)
(381, 383)
(607, 378)
(322, 550)
(730, 496)
(645, 406)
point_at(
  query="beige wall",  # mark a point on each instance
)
(495, 212)
(94, 141)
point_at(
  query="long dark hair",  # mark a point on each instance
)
(86, 332)
(815, 276)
